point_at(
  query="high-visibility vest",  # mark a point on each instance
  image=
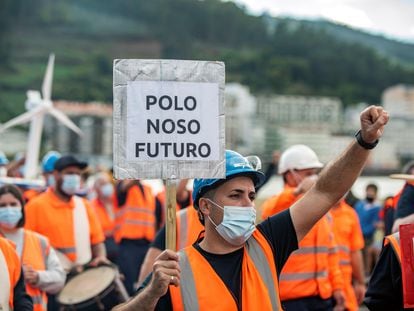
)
(10, 263)
(201, 289)
(279, 202)
(105, 220)
(188, 227)
(394, 241)
(313, 269)
(136, 218)
(161, 197)
(349, 237)
(35, 252)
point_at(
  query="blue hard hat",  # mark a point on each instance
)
(3, 159)
(236, 165)
(49, 160)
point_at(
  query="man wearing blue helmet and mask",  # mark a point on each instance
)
(236, 265)
(48, 164)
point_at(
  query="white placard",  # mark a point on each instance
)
(169, 120)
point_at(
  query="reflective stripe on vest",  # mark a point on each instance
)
(394, 240)
(182, 228)
(303, 276)
(136, 218)
(254, 253)
(305, 250)
(262, 265)
(344, 248)
(66, 250)
(4, 285)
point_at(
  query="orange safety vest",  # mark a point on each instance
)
(136, 218)
(188, 227)
(35, 252)
(13, 266)
(349, 237)
(108, 224)
(394, 240)
(279, 202)
(201, 289)
(313, 269)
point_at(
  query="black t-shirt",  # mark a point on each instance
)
(405, 205)
(384, 290)
(279, 232)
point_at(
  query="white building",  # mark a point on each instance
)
(398, 100)
(95, 120)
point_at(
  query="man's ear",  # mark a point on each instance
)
(204, 206)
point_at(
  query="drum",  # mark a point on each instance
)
(94, 289)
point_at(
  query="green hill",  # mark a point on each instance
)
(268, 55)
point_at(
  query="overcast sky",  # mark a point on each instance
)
(392, 18)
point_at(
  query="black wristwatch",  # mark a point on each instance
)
(363, 143)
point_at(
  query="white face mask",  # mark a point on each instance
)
(3, 171)
(107, 190)
(238, 223)
(10, 216)
(71, 184)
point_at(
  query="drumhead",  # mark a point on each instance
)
(87, 285)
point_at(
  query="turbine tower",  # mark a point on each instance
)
(37, 106)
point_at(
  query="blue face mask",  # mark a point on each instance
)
(107, 190)
(10, 216)
(238, 223)
(71, 184)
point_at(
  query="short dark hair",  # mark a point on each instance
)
(14, 191)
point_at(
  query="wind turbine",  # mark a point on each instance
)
(37, 107)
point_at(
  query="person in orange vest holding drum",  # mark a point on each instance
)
(235, 266)
(136, 220)
(67, 219)
(311, 278)
(350, 241)
(43, 272)
(13, 294)
(104, 205)
(189, 229)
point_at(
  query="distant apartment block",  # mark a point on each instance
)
(94, 119)
(398, 100)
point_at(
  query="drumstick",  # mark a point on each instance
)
(170, 211)
(406, 177)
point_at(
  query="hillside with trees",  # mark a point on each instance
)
(269, 55)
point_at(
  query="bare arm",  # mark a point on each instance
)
(358, 275)
(402, 221)
(99, 255)
(337, 178)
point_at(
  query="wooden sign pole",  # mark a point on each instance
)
(170, 212)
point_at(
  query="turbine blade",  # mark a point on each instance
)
(21, 119)
(47, 80)
(65, 120)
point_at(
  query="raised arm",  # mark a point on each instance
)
(339, 175)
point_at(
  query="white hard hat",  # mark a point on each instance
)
(298, 157)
